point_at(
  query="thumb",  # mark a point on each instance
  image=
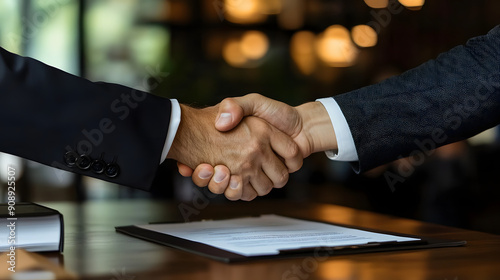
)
(232, 110)
(278, 114)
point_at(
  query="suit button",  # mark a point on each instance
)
(84, 162)
(112, 170)
(70, 158)
(98, 166)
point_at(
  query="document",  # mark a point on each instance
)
(270, 234)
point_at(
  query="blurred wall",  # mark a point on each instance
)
(201, 51)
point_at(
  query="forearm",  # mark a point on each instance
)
(442, 101)
(48, 112)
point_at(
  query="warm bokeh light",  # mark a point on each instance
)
(338, 269)
(412, 4)
(232, 53)
(302, 51)
(377, 4)
(292, 15)
(254, 44)
(335, 47)
(364, 36)
(246, 51)
(269, 6)
(243, 11)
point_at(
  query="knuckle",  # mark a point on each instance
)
(293, 150)
(227, 100)
(282, 180)
(247, 165)
(257, 146)
(254, 95)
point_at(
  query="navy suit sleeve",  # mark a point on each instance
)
(445, 100)
(116, 133)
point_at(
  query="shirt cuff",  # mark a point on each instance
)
(175, 119)
(345, 142)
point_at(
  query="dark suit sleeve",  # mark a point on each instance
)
(445, 100)
(47, 115)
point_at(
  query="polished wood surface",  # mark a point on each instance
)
(93, 250)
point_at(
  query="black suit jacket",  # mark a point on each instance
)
(444, 100)
(102, 130)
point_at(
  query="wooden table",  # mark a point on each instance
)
(93, 250)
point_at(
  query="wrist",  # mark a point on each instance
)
(177, 145)
(184, 147)
(317, 128)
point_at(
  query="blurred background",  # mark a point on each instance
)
(201, 51)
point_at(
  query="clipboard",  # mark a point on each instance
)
(324, 251)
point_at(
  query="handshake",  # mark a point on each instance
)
(246, 146)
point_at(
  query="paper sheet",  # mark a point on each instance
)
(268, 234)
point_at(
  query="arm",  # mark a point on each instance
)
(118, 134)
(47, 113)
(445, 100)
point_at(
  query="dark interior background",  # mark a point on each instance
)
(185, 49)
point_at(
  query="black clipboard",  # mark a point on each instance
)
(231, 257)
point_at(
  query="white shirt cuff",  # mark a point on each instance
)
(175, 119)
(345, 142)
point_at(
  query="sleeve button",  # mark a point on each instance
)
(98, 166)
(112, 170)
(70, 158)
(84, 162)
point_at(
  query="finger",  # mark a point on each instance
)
(278, 114)
(220, 181)
(276, 171)
(261, 183)
(184, 170)
(248, 192)
(235, 189)
(202, 174)
(232, 110)
(287, 149)
(230, 114)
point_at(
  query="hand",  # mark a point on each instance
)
(308, 124)
(249, 152)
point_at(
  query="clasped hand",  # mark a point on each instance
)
(246, 146)
(257, 155)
